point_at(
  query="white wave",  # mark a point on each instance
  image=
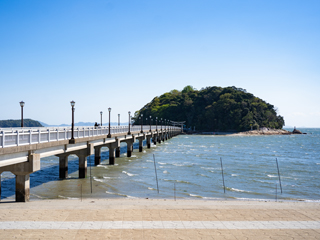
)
(119, 194)
(60, 196)
(238, 190)
(150, 188)
(97, 179)
(102, 166)
(194, 195)
(234, 175)
(134, 156)
(129, 174)
(162, 163)
(318, 163)
(165, 171)
(178, 165)
(272, 176)
(149, 161)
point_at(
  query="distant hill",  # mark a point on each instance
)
(17, 123)
(213, 109)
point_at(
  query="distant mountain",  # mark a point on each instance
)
(17, 123)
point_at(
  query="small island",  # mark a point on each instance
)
(215, 109)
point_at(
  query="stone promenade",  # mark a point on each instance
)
(159, 219)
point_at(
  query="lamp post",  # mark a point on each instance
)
(101, 117)
(141, 122)
(118, 119)
(161, 124)
(109, 135)
(150, 123)
(22, 105)
(72, 141)
(157, 124)
(129, 123)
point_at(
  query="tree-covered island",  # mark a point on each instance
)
(213, 109)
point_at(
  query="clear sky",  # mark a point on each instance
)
(121, 54)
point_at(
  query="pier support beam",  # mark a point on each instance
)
(22, 172)
(23, 188)
(97, 155)
(141, 138)
(112, 147)
(63, 166)
(118, 152)
(130, 142)
(149, 141)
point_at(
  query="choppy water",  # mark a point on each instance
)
(191, 163)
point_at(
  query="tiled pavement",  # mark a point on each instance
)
(159, 220)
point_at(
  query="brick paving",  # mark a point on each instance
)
(159, 219)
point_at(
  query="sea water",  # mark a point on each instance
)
(190, 167)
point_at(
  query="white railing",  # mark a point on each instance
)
(10, 137)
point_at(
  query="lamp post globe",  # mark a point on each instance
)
(72, 141)
(22, 105)
(109, 134)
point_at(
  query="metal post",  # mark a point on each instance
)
(118, 119)
(101, 118)
(155, 169)
(279, 175)
(224, 188)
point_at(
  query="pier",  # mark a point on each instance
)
(21, 149)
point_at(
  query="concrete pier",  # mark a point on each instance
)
(23, 157)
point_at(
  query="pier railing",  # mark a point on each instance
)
(10, 137)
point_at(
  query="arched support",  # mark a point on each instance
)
(130, 142)
(141, 138)
(22, 172)
(112, 147)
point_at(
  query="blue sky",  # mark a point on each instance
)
(121, 54)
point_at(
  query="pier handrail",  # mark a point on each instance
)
(10, 137)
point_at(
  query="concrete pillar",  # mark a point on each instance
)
(148, 141)
(63, 166)
(22, 188)
(154, 139)
(129, 148)
(111, 155)
(97, 155)
(82, 165)
(141, 138)
(118, 152)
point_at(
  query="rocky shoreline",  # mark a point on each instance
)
(268, 131)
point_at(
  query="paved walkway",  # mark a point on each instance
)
(159, 219)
